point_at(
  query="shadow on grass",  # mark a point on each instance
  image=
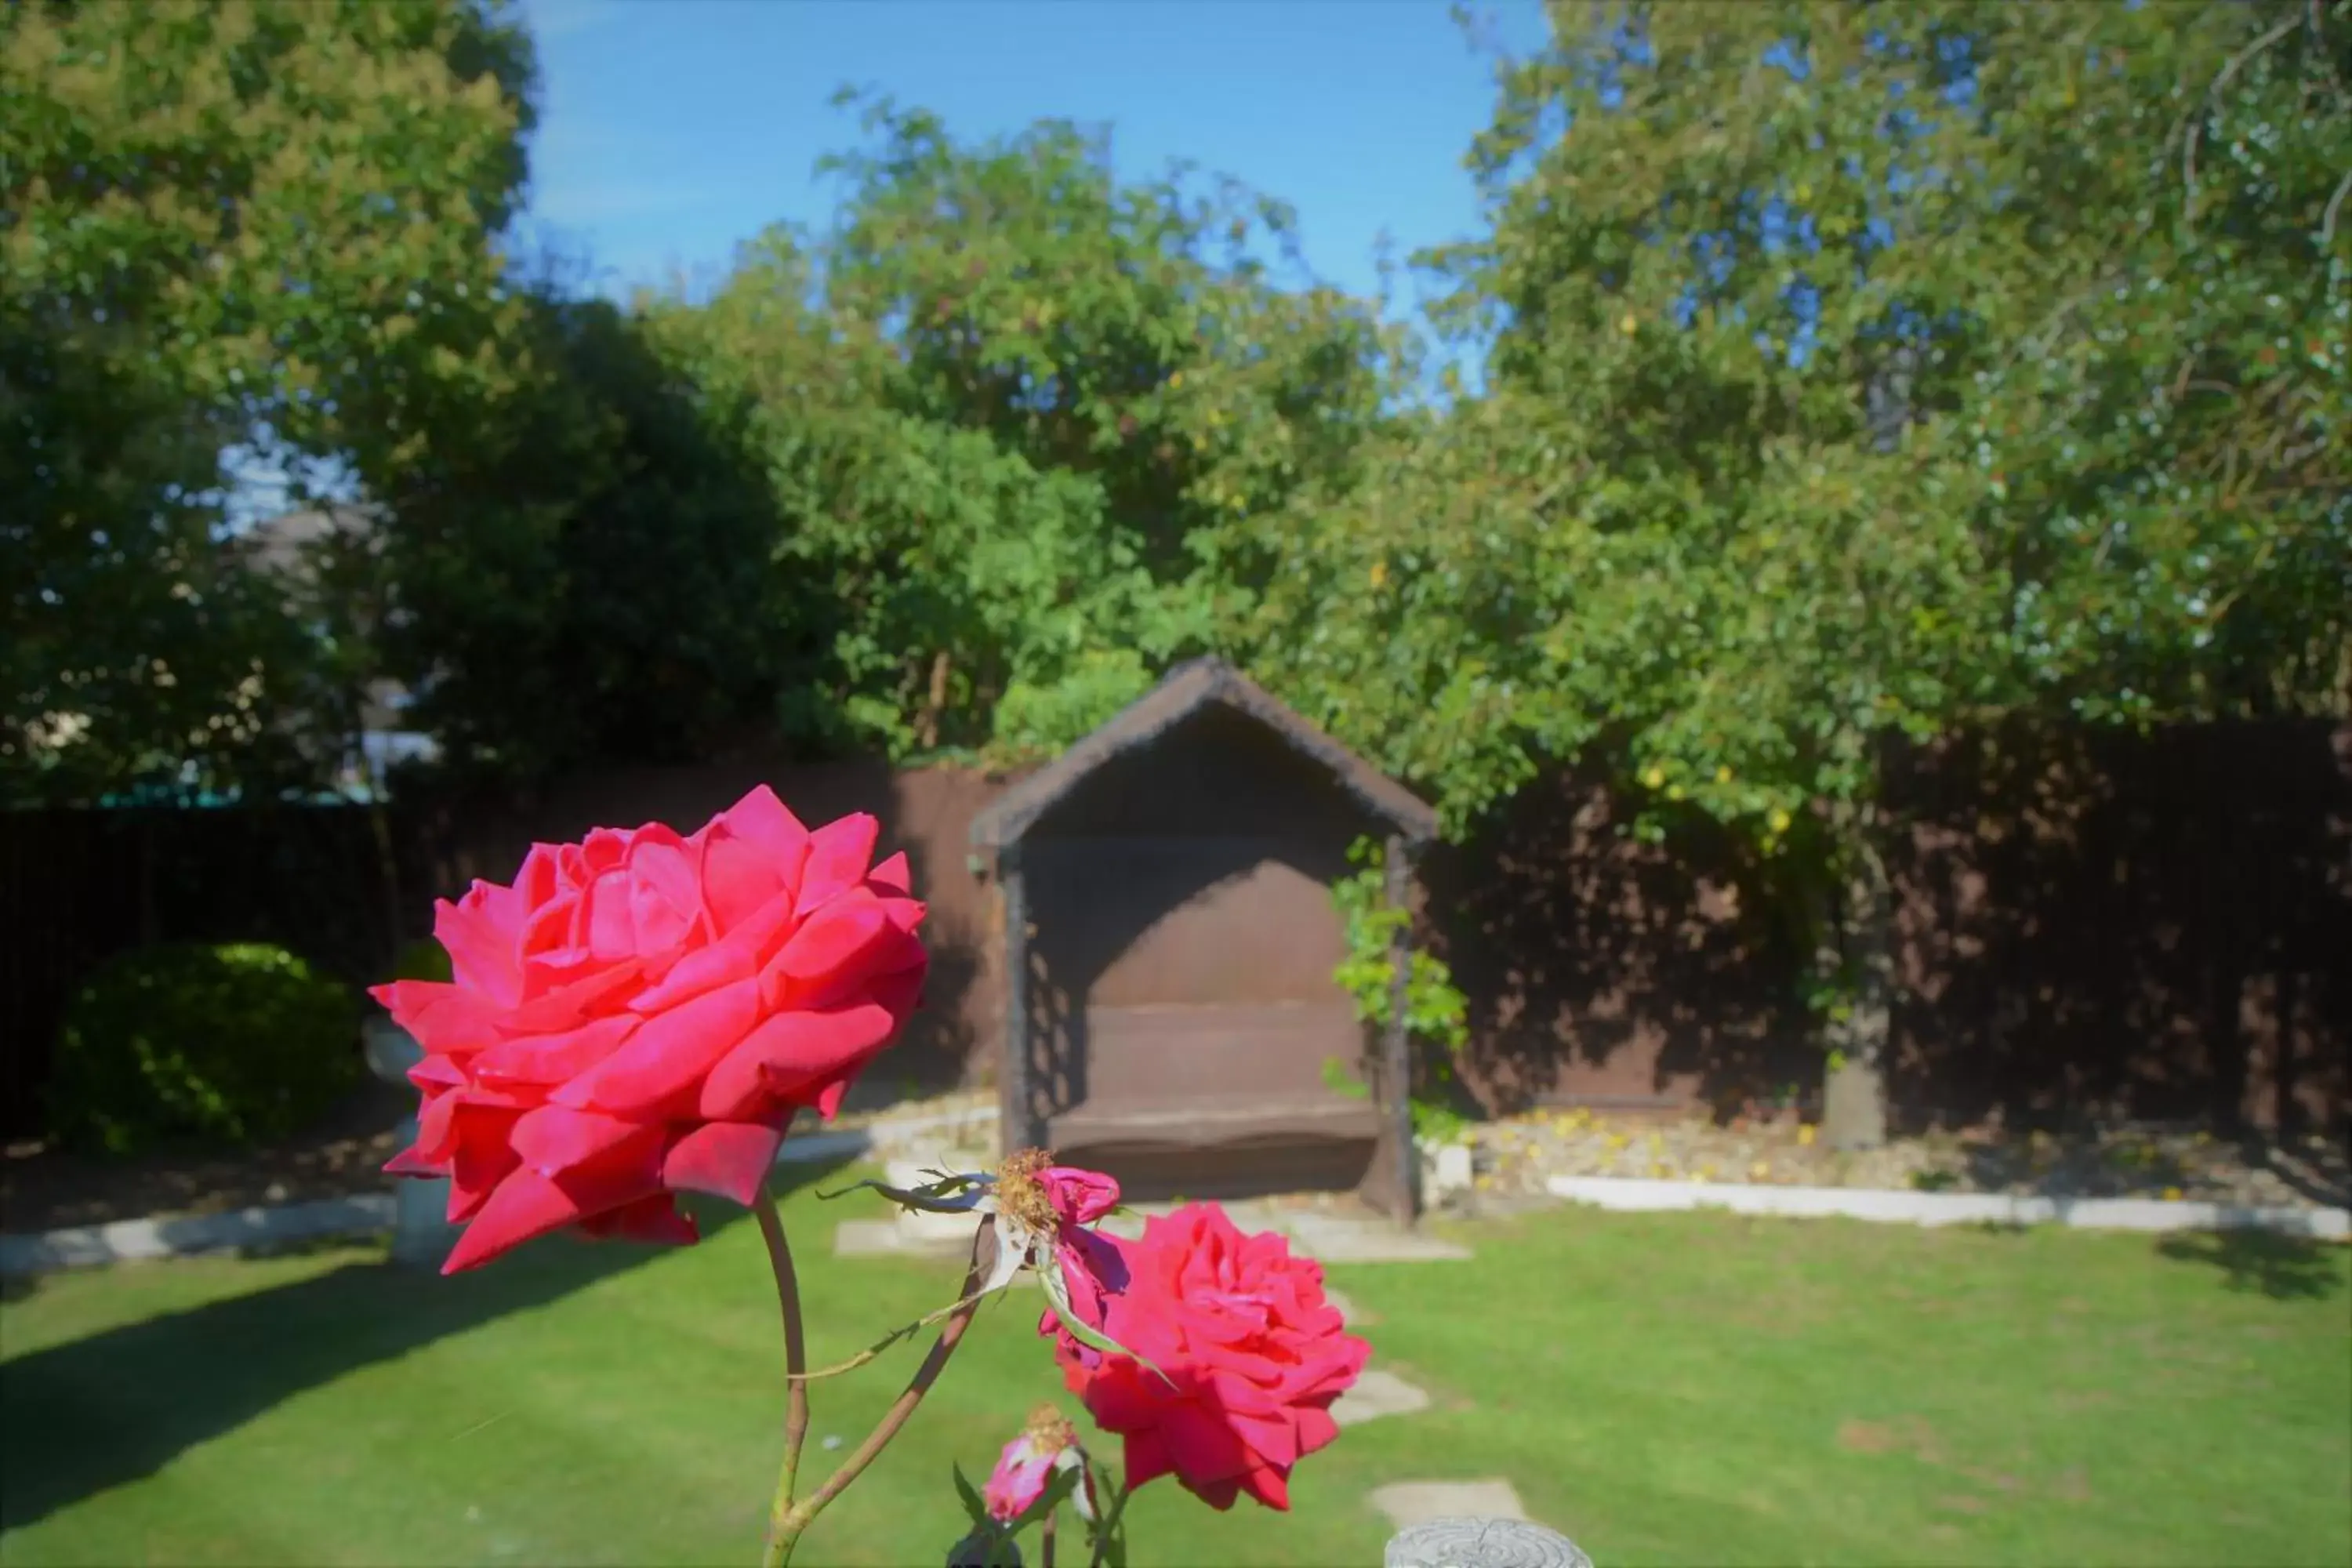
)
(82, 1417)
(2283, 1267)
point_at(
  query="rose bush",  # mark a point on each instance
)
(639, 1015)
(1236, 1359)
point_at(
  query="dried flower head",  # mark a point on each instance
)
(1021, 1195)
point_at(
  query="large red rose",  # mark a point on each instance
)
(1252, 1355)
(640, 1014)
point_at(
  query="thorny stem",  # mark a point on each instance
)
(1107, 1523)
(1045, 1540)
(796, 1404)
(870, 1352)
(788, 1531)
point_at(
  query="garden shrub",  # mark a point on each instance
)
(424, 959)
(231, 1045)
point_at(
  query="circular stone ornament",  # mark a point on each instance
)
(1483, 1543)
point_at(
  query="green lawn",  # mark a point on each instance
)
(1696, 1389)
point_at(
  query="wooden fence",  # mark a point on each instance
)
(2090, 924)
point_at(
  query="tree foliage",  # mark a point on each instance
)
(1025, 421)
(1859, 373)
(267, 222)
(577, 569)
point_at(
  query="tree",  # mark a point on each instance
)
(1024, 423)
(578, 569)
(269, 223)
(1863, 373)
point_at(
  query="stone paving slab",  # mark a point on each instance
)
(887, 1238)
(1330, 1239)
(1408, 1503)
(1248, 1215)
(1377, 1393)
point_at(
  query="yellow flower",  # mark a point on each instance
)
(1723, 775)
(1653, 776)
(1628, 326)
(1759, 1171)
(1380, 573)
(2172, 1194)
(1176, 382)
(1674, 792)
(1779, 819)
(1805, 1134)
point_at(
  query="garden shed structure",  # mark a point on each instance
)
(1169, 942)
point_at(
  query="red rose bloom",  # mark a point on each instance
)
(640, 1014)
(1253, 1357)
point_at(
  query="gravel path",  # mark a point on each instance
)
(1515, 1156)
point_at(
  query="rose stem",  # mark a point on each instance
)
(796, 1403)
(1045, 1538)
(1106, 1523)
(781, 1543)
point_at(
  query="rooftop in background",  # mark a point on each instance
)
(278, 543)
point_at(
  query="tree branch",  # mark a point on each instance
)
(2237, 63)
(2335, 205)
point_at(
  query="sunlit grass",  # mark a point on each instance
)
(1696, 1389)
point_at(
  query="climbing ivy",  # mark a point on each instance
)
(1435, 1011)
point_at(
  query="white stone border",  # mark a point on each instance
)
(84, 1247)
(1635, 1194)
(80, 1246)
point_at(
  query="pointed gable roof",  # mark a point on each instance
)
(1187, 690)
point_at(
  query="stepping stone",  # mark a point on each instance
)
(1248, 1216)
(1330, 1239)
(1348, 1312)
(887, 1238)
(920, 1226)
(1375, 1393)
(1408, 1503)
(1478, 1541)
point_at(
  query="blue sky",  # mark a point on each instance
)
(671, 131)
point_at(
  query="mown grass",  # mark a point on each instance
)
(1692, 1389)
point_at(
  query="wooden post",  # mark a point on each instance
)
(1396, 1062)
(1012, 1124)
(1483, 1543)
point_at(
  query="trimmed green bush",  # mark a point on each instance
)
(231, 1045)
(424, 959)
